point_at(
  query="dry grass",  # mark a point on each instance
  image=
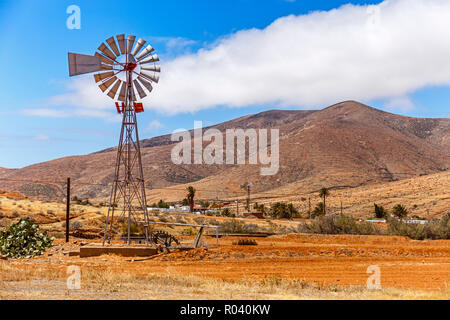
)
(40, 283)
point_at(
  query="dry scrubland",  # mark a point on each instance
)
(278, 267)
(426, 196)
(286, 266)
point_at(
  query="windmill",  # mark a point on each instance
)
(121, 68)
(248, 187)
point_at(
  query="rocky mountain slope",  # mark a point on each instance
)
(346, 145)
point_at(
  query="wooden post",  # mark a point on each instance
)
(217, 237)
(341, 208)
(67, 209)
(198, 237)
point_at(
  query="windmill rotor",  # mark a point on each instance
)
(115, 57)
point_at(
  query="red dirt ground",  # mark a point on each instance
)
(322, 259)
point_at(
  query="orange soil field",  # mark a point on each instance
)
(320, 259)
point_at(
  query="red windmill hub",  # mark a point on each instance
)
(130, 66)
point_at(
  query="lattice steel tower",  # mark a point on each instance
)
(125, 66)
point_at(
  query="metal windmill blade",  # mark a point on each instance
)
(112, 43)
(131, 59)
(82, 64)
(154, 68)
(112, 93)
(106, 67)
(130, 42)
(139, 89)
(108, 83)
(102, 76)
(151, 59)
(121, 41)
(153, 77)
(149, 49)
(104, 59)
(139, 44)
(123, 92)
(105, 50)
(147, 84)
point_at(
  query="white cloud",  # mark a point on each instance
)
(354, 52)
(82, 112)
(82, 99)
(155, 125)
(172, 46)
(45, 112)
(400, 103)
(82, 92)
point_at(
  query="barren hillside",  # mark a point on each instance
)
(345, 145)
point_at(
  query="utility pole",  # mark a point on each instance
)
(67, 209)
(309, 207)
(248, 197)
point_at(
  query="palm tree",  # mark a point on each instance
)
(190, 197)
(323, 193)
(400, 211)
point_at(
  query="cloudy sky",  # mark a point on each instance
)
(220, 60)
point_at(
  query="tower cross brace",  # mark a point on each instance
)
(128, 198)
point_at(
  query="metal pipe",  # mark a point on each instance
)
(182, 224)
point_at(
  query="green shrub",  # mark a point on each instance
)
(188, 232)
(135, 229)
(318, 211)
(226, 212)
(161, 204)
(281, 210)
(260, 208)
(23, 239)
(250, 228)
(339, 225)
(433, 230)
(233, 226)
(380, 212)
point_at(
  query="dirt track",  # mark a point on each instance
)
(340, 260)
(321, 259)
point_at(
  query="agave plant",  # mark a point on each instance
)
(23, 239)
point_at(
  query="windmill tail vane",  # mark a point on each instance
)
(122, 67)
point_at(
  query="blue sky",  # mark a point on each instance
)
(35, 42)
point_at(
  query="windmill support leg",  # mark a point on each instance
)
(129, 184)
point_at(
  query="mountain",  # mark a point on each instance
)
(345, 145)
